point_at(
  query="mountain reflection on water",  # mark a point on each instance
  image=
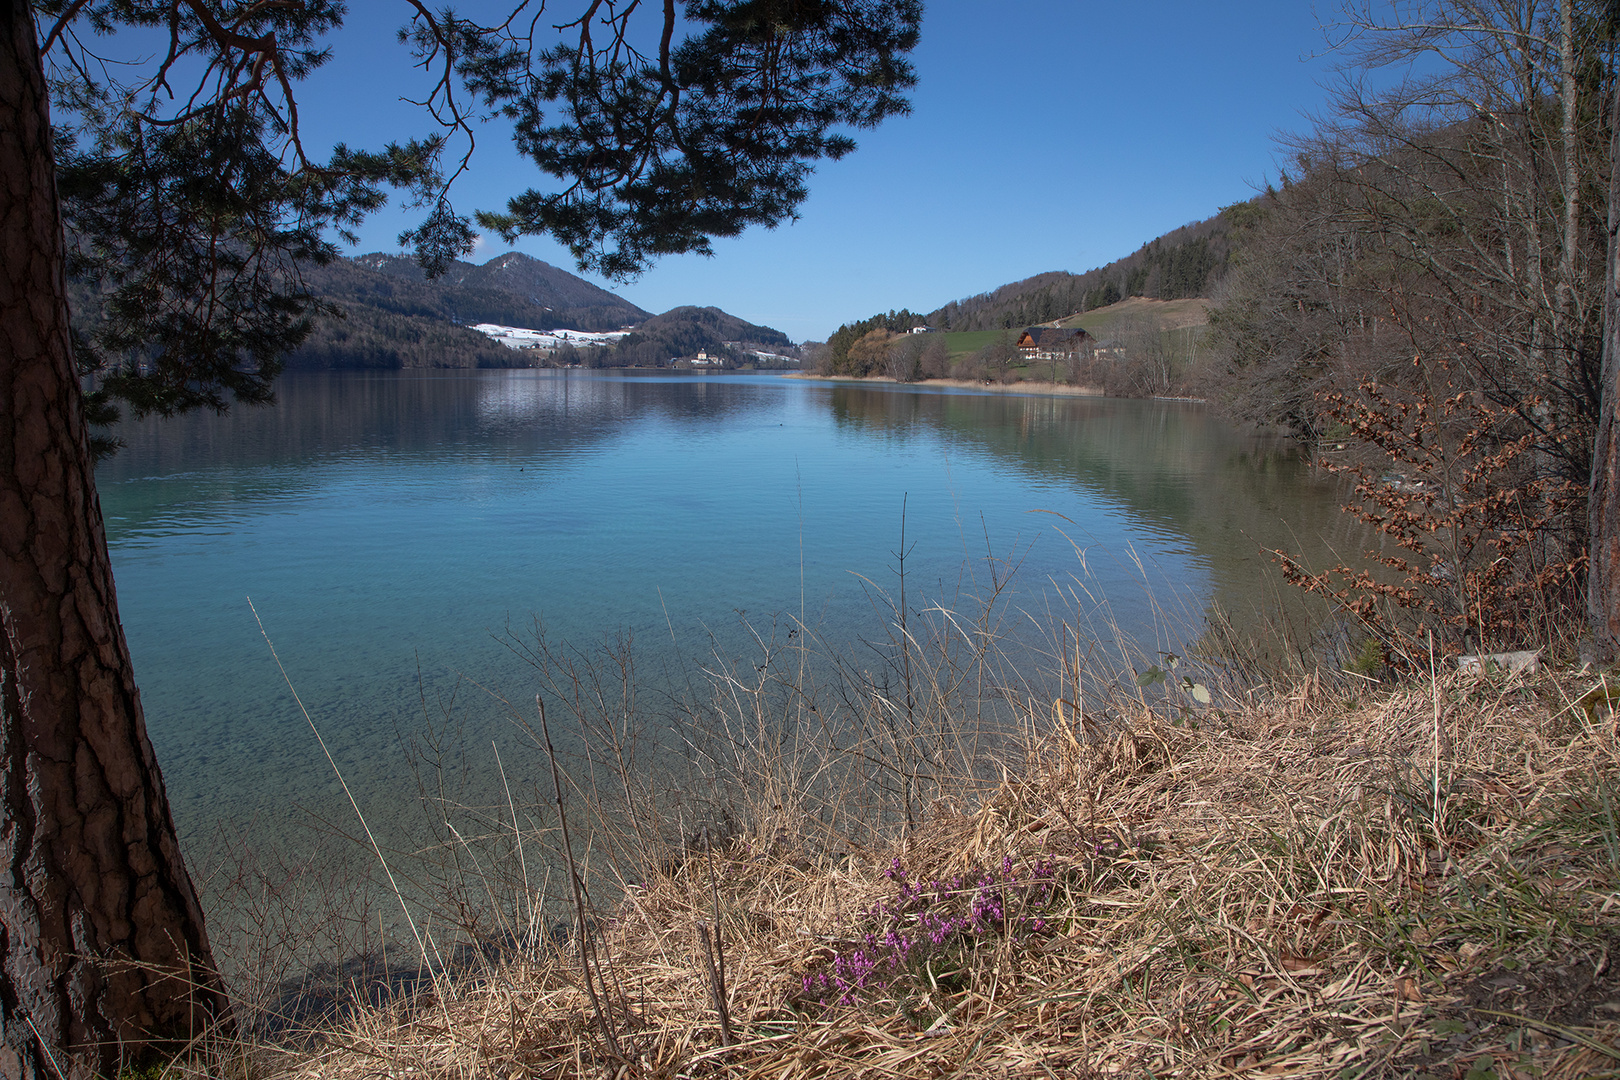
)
(391, 527)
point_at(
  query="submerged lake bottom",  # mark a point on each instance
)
(426, 552)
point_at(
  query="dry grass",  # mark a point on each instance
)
(1305, 889)
(1168, 314)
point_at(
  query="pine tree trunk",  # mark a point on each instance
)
(1603, 574)
(103, 955)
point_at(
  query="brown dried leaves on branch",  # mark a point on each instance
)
(1482, 543)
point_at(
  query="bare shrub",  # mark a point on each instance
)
(1485, 545)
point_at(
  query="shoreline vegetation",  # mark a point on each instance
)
(1131, 347)
(1333, 879)
(1020, 387)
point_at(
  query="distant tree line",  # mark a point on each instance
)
(374, 338)
(395, 317)
(380, 328)
(866, 339)
(1171, 270)
(875, 348)
(512, 289)
(1140, 359)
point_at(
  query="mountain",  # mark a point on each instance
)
(570, 301)
(709, 326)
(686, 331)
(396, 317)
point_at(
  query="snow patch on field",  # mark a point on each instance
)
(518, 337)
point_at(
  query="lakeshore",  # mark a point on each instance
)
(1021, 387)
(1409, 881)
(1180, 880)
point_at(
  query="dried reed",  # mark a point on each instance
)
(1275, 889)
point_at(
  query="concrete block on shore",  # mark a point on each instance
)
(1525, 660)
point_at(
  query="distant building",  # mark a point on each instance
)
(701, 361)
(1052, 342)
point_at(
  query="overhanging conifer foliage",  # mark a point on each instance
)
(194, 205)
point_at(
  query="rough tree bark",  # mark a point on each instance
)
(1603, 573)
(103, 955)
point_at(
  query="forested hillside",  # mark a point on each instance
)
(686, 331)
(396, 318)
(374, 336)
(1187, 262)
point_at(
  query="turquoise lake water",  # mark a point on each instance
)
(397, 531)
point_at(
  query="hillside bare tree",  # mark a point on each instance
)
(903, 362)
(1443, 232)
(869, 355)
(179, 191)
(935, 361)
(1148, 364)
(1603, 577)
(997, 359)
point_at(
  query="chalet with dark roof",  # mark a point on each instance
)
(1052, 342)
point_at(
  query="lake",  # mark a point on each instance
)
(401, 535)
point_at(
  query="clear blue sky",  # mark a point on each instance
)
(1045, 135)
